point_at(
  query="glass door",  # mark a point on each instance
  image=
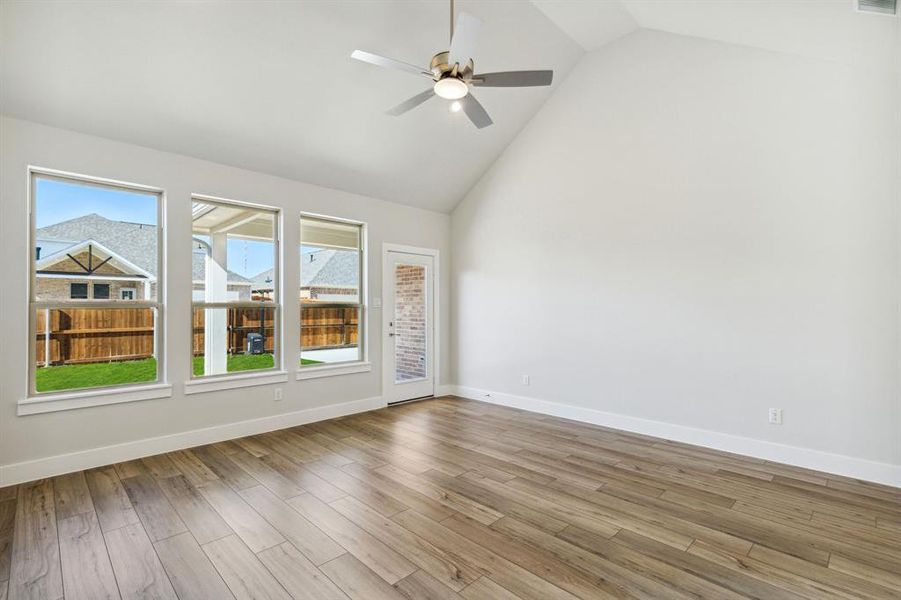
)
(408, 314)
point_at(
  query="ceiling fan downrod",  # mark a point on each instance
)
(451, 20)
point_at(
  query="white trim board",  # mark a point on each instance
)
(838, 464)
(96, 457)
(445, 389)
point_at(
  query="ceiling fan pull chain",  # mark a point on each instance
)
(452, 20)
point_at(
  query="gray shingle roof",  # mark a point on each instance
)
(135, 242)
(324, 268)
(330, 268)
(198, 268)
(262, 280)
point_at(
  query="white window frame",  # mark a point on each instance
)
(134, 293)
(277, 374)
(361, 363)
(41, 402)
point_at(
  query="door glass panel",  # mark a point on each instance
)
(409, 322)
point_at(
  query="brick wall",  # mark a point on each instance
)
(48, 288)
(409, 322)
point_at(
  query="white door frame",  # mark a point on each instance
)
(387, 376)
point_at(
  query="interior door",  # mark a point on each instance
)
(409, 326)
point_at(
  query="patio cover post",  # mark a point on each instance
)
(215, 323)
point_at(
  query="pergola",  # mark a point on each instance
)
(219, 223)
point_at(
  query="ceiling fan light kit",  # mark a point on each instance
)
(451, 88)
(453, 73)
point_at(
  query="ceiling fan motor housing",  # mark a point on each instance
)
(441, 68)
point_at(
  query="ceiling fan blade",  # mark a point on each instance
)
(463, 44)
(514, 79)
(382, 61)
(411, 103)
(475, 111)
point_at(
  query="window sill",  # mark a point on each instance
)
(83, 399)
(230, 382)
(310, 372)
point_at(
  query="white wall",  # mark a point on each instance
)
(691, 232)
(33, 437)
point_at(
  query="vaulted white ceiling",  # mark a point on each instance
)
(825, 29)
(270, 86)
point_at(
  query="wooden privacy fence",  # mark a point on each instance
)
(86, 335)
(331, 326)
(241, 321)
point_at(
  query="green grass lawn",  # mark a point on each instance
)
(72, 377)
(239, 362)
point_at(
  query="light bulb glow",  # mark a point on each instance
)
(455, 106)
(451, 88)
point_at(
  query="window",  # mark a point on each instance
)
(331, 300)
(235, 291)
(89, 237)
(127, 294)
(78, 291)
(101, 291)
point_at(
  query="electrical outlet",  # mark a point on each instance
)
(775, 416)
(525, 380)
(279, 395)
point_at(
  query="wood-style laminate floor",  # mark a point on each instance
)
(446, 499)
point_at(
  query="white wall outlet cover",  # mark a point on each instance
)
(279, 394)
(525, 380)
(775, 415)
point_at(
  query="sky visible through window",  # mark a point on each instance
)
(249, 258)
(58, 201)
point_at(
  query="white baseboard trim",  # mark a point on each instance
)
(67, 463)
(818, 460)
(444, 390)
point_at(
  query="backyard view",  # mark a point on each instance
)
(95, 298)
(330, 264)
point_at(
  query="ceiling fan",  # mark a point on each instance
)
(453, 73)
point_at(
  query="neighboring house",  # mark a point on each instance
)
(95, 258)
(325, 276)
(238, 286)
